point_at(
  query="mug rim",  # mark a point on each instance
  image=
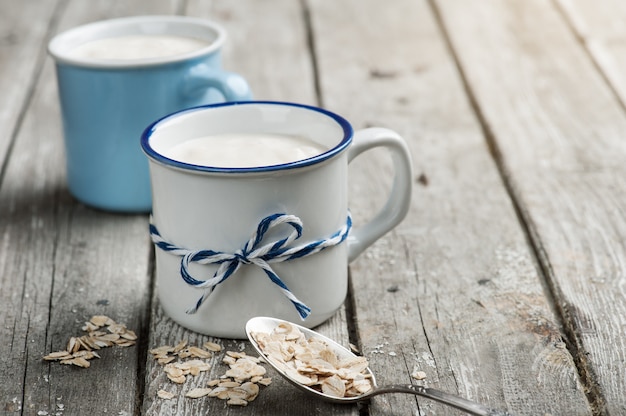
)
(345, 141)
(59, 50)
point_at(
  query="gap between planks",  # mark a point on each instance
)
(310, 41)
(596, 53)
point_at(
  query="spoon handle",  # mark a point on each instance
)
(442, 397)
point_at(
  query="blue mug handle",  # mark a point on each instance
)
(202, 77)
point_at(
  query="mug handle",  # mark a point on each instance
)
(399, 201)
(201, 77)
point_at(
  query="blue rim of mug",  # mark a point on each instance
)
(346, 127)
(59, 50)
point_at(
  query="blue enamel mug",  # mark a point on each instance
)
(115, 77)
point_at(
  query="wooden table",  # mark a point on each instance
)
(506, 283)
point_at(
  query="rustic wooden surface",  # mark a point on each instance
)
(506, 283)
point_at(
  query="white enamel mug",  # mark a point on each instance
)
(234, 243)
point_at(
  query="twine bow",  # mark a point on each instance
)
(252, 252)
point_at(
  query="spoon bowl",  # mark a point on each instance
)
(267, 325)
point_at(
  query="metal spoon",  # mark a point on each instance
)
(267, 325)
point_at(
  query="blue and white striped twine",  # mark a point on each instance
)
(252, 253)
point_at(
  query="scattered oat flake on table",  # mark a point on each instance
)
(239, 385)
(265, 381)
(212, 346)
(200, 353)
(102, 332)
(78, 361)
(166, 354)
(100, 320)
(198, 392)
(237, 402)
(418, 375)
(58, 355)
(180, 346)
(166, 395)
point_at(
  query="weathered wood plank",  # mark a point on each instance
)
(454, 290)
(600, 26)
(23, 29)
(596, 20)
(25, 252)
(559, 130)
(268, 45)
(60, 262)
(64, 264)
